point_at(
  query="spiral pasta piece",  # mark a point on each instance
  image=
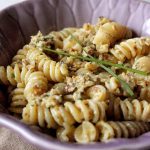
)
(37, 114)
(34, 81)
(145, 93)
(70, 113)
(131, 48)
(65, 133)
(37, 84)
(124, 129)
(112, 85)
(14, 75)
(134, 110)
(103, 131)
(10, 75)
(142, 64)
(97, 93)
(18, 100)
(73, 42)
(54, 71)
(21, 54)
(86, 132)
(60, 36)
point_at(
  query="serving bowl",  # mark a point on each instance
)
(19, 22)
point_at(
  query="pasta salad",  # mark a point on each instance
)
(87, 84)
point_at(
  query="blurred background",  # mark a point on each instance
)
(6, 3)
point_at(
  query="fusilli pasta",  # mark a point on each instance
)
(37, 84)
(66, 133)
(21, 55)
(17, 100)
(142, 64)
(87, 132)
(55, 71)
(10, 75)
(134, 110)
(112, 85)
(145, 93)
(59, 37)
(126, 129)
(97, 92)
(131, 48)
(70, 113)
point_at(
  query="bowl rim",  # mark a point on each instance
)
(36, 138)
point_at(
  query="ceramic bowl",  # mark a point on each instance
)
(19, 22)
